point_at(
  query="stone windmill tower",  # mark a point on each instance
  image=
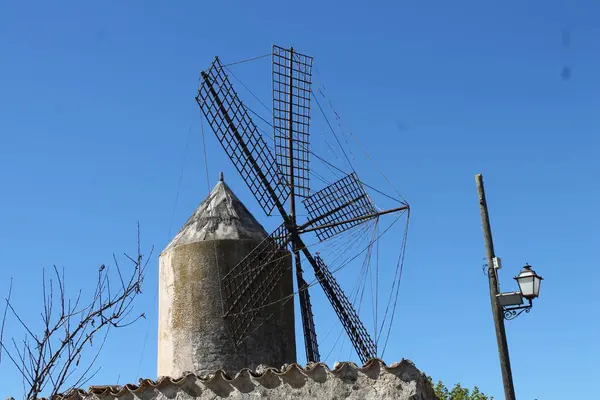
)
(193, 335)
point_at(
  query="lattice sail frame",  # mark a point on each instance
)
(308, 318)
(292, 77)
(343, 200)
(248, 286)
(239, 136)
(362, 342)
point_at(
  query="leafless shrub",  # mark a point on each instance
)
(50, 361)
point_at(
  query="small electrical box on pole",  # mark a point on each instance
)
(497, 262)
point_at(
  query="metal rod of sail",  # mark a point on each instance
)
(291, 150)
(308, 323)
(306, 227)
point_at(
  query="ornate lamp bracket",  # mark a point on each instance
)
(513, 312)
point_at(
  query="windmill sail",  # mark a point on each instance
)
(239, 136)
(363, 344)
(340, 206)
(292, 78)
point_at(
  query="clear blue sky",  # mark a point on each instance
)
(97, 110)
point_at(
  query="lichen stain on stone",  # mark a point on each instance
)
(196, 323)
(187, 290)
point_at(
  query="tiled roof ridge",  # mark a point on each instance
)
(340, 370)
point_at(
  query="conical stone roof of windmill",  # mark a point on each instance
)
(220, 216)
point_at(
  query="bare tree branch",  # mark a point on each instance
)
(4, 318)
(50, 362)
(21, 322)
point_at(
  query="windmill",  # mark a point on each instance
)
(278, 179)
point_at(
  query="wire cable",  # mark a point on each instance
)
(316, 280)
(248, 89)
(185, 152)
(363, 149)
(247, 60)
(334, 134)
(397, 280)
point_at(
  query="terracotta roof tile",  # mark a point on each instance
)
(246, 380)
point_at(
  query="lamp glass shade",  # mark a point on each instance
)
(526, 285)
(529, 283)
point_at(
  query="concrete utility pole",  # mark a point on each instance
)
(509, 389)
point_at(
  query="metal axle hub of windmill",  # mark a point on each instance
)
(276, 179)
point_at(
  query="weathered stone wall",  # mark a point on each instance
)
(374, 381)
(193, 335)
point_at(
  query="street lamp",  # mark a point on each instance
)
(529, 282)
(529, 285)
(504, 305)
